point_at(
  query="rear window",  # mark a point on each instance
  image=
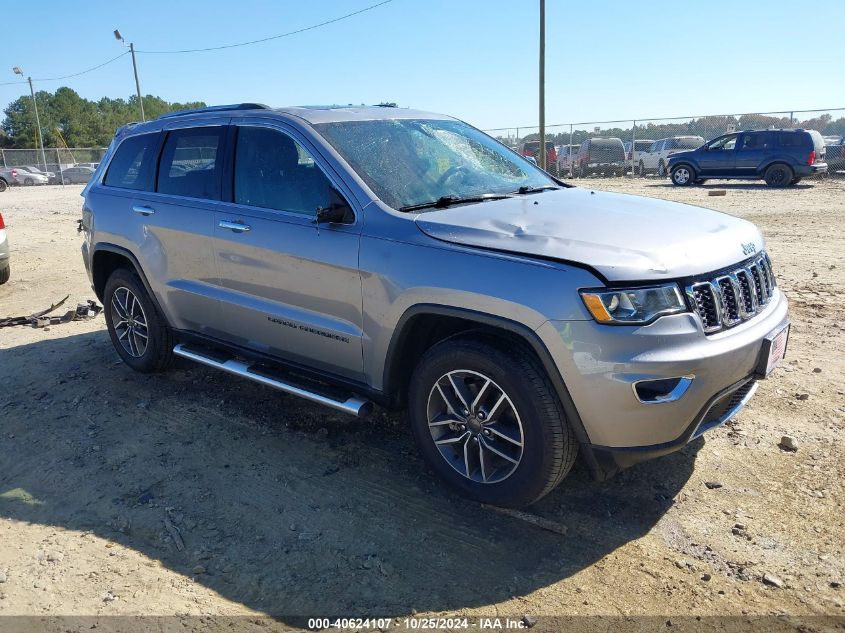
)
(687, 143)
(190, 163)
(130, 167)
(642, 146)
(602, 143)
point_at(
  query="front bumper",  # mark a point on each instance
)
(601, 364)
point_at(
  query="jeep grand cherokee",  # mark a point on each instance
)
(355, 256)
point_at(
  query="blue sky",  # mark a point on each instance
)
(476, 59)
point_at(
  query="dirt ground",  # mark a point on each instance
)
(193, 493)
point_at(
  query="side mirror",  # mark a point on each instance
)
(338, 210)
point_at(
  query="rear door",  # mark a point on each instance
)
(752, 151)
(720, 157)
(289, 287)
(177, 220)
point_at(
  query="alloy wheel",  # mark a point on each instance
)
(681, 175)
(475, 426)
(129, 321)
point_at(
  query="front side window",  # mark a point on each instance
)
(408, 162)
(726, 143)
(272, 171)
(190, 163)
(130, 167)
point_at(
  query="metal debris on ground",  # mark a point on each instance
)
(83, 312)
(533, 519)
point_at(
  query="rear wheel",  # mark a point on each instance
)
(682, 175)
(641, 169)
(779, 175)
(5, 273)
(28, 182)
(488, 421)
(3, 185)
(138, 331)
(661, 169)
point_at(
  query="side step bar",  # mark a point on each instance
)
(352, 405)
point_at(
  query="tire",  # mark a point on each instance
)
(661, 169)
(5, 273)
(157, 352)
(530, 412)
(28, 182)
(641, 169)
(779, 175)
(3, 185)
(795, 180)
(682, 175)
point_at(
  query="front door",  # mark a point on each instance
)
(289, 287)
(720, 156)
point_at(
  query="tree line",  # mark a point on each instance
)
(68, 120)
(708, 127)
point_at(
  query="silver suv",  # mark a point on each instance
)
(355, 256)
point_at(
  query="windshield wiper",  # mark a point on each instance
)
(525, 189)
(447, 201)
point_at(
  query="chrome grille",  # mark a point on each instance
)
(732, 297)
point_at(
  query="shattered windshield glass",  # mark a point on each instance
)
(409, 162)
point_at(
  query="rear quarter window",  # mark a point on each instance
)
(794, 139)
(131, 167)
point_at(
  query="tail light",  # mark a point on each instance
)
(2, 224)
(812, 158)
(14, 173)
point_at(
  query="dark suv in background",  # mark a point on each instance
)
(780, 157)
(600, 155)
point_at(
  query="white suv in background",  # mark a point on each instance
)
(657, 157)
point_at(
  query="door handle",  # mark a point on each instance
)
(237, 227)
(143, 210)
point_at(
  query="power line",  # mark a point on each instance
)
(82, 72)
(272, 37)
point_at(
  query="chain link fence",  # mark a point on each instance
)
(641, 147)
(61, 162)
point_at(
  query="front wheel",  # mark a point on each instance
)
(641, 170)
(682, 175)
(488, 421)
(137, 329)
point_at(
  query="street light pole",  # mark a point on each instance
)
(17, 70)
(119, 38)
(542, 153)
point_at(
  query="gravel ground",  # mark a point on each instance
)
(192, 493)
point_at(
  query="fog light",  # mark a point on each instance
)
(662, 389)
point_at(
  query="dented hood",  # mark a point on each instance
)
(623, 237)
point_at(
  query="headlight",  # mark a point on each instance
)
(633, 305)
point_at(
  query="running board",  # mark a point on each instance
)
(352, 404)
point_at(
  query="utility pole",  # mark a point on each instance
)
(17, 70)
(542, 152)
(119, 38)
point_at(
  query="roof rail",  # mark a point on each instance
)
(218, 108)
